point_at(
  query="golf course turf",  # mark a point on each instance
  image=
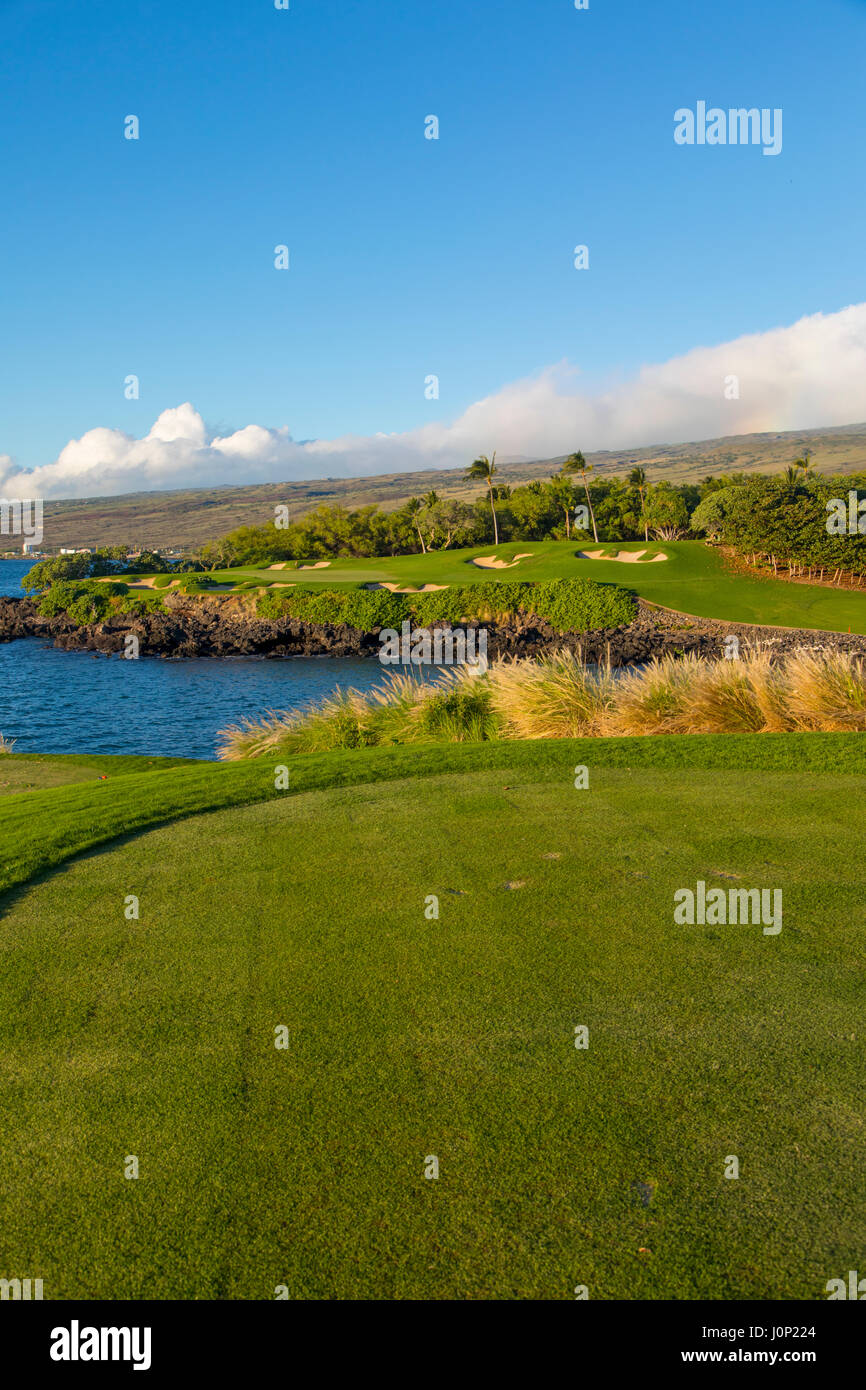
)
(411, 1036)
(694, 579)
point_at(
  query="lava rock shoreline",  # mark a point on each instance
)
(210, 627)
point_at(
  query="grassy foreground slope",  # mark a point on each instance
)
(694, 579)
(24, 772)
(454, 1037)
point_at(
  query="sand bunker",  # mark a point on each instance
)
(319, 565)
(490, 562)
(280, 565)
(143, 582)
(626, 556)
(395, 588)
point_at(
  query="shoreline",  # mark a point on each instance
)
(204, 627)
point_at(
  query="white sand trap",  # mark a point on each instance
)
(280, 565)
(490, 562)
(624, 556)
(147, 582)
(395, 589)
(319, 565)
(283, 584)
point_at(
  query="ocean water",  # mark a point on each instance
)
(79, 702)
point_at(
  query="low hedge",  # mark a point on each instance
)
(569, 605)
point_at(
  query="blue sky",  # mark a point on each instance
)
(408, 256)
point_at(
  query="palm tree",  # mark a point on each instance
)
(414, 506)
(485, 468)
(637, 478)
(792, 473)
(564, 495)
(576, 463)
(431, 501)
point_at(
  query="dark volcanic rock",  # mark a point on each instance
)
(212, 627)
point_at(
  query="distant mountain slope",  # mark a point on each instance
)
(188, 518)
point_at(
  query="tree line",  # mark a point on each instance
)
(778, 521)
(573, 504)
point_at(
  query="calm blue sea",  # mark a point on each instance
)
(76, 702)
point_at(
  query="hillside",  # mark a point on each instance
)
(189, 517)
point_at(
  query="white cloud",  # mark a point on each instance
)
(811, 373)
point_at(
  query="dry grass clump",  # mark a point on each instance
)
(559, 696)
(721, 699)
(755, 694)
(649, 700)
(826, 691)
(403, 709)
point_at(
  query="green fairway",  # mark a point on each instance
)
(694, 579)
(35, 771)
(411, 1037)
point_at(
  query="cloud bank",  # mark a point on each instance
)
(808, 374)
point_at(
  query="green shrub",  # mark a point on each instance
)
(195, 584)
(461, 713)
(363, 609)
(569, 605)
(86, 601)
(139, 604)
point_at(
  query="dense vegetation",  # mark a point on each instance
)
(92, 601)
(781, 520)
(109, 560)
(784, 522)
(569, 605)
(536, 512)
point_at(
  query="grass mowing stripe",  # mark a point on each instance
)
(41, 829)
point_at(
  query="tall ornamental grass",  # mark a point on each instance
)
(559, 696)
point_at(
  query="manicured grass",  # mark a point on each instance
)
(41, 829)
(24, 772)
(694, 579)
(454, 1037)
